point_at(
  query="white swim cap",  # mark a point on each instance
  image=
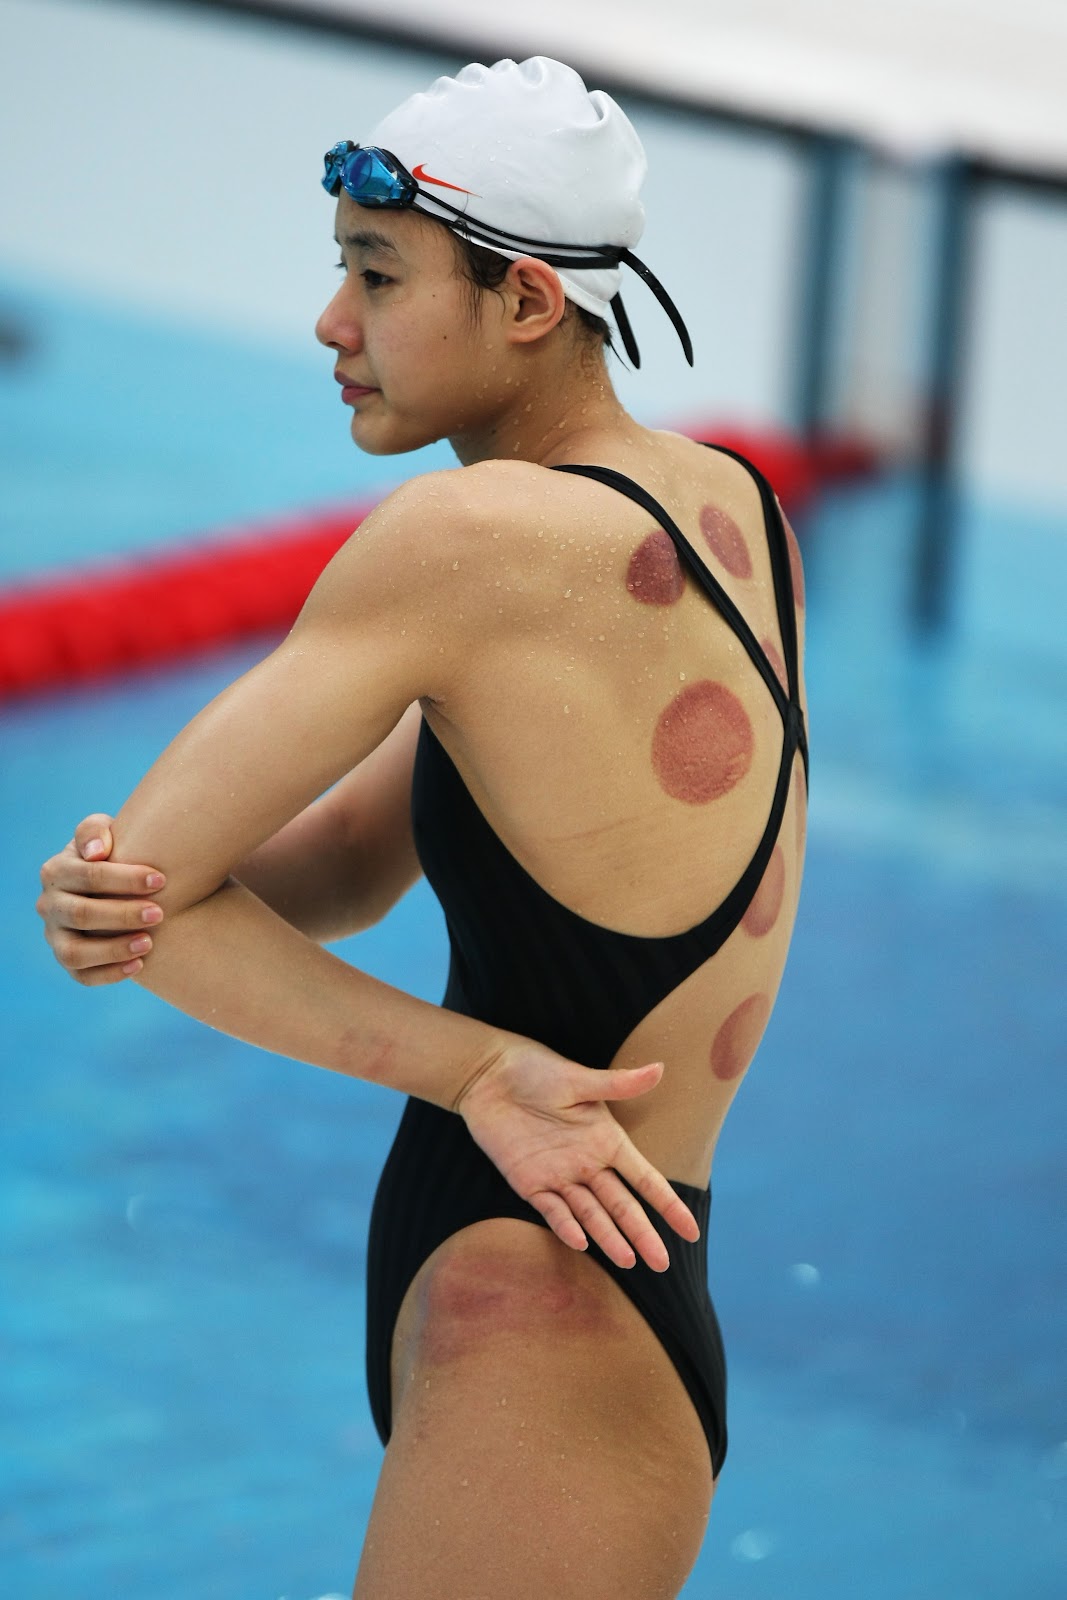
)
(522, 154)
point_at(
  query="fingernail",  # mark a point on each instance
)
(138, 946)
(132, 966)
(155, 880)
(95, 847)
(151, 914)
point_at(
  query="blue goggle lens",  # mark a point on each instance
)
(366, 177)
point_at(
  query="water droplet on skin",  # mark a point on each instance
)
(567, 708)
(455, 565)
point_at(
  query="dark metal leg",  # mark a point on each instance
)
(937, 531)
(819, 288)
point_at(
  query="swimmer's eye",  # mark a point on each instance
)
(367, 274)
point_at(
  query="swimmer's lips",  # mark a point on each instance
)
(351, 391)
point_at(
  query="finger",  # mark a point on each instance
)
(98, 914)
(652, 1186)
(97, 977)
(631, 1219)
(559, 1218)
(621, 1083)
(92, 836)
(598, 1224)
(106, 878)
(81, 952)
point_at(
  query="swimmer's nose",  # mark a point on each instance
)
(337, 328)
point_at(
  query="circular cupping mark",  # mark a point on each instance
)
(736, 1041)
(725, 540)
(766, 903)
(654, 575)
(702, 744)
(774, 656)
(801, 808)
(796, 566)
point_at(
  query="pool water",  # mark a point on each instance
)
(185, 1217)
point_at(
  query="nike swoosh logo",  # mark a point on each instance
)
(421, 176)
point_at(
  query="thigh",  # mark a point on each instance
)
(543, 1443)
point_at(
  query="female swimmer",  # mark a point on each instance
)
(563, 679)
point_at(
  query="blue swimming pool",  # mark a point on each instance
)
(184, 1217)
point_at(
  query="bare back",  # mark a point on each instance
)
(610, 661)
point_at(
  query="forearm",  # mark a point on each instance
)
(234, 964)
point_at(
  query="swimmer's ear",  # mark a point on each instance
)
(534, 298)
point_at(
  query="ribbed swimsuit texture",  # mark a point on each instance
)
(522, 961)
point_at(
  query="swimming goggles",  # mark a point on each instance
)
(376, 179)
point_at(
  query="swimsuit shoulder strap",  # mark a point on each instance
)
(788, 705)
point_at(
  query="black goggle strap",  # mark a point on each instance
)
(626, 333)
(665, 301)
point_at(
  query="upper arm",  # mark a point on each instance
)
(375, 634)
(370, 815)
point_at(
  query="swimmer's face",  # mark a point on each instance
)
(400, 323)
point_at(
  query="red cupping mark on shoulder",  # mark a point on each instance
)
(702, 744)
(725, 540)
(736, 1041)
(796, 566)
(766, 903)
(774, 656)
(655, 574)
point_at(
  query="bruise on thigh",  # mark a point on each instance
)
(533, 1396)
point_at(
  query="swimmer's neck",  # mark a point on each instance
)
(550, 422)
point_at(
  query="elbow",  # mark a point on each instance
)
(175, 899)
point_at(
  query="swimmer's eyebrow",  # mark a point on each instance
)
(368, 239)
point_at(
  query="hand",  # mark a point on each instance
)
(542, 1121)
(85, 898)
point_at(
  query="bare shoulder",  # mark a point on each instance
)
(441, 562)
(441, 511)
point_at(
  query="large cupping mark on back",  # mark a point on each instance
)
(654, 575)
(702, 744)
(736, 1041)
(725, 540)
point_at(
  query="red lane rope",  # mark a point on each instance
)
(100, 621)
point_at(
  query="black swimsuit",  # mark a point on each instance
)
(522, 961)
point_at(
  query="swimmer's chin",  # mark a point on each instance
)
(383, 445)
